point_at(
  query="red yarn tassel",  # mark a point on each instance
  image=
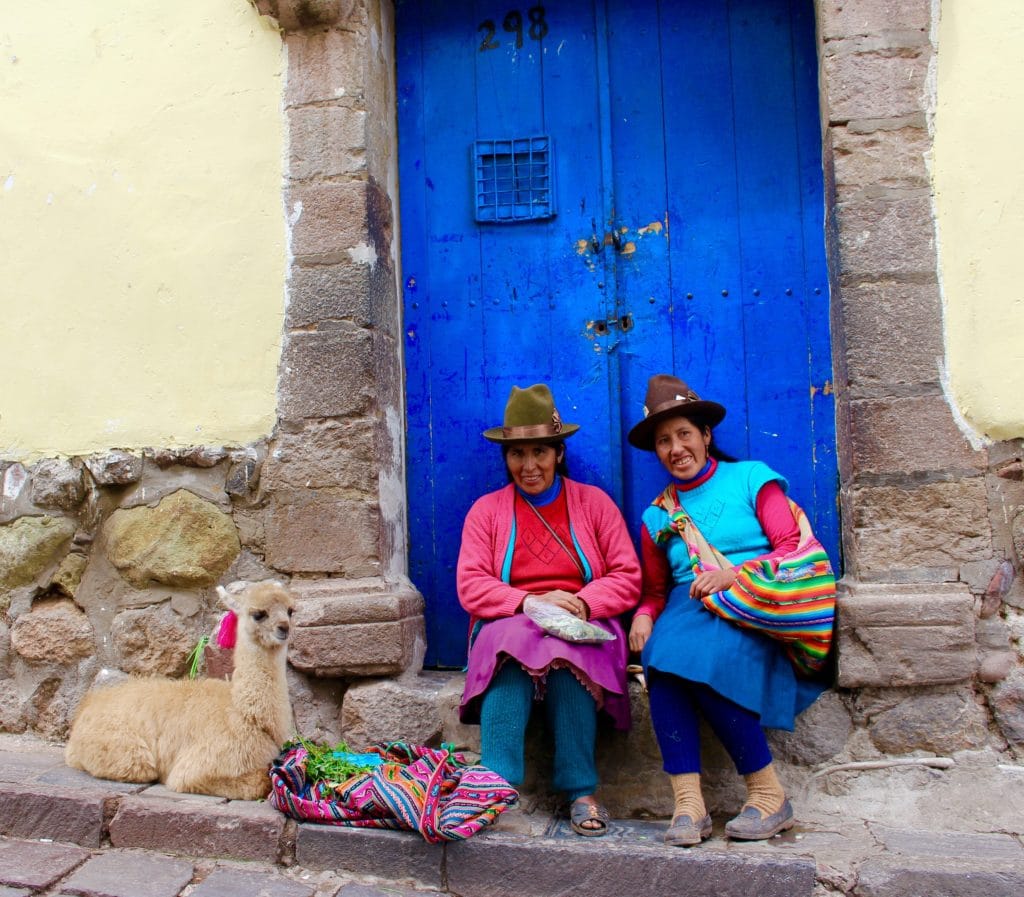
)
(227, 631)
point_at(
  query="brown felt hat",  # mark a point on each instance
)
(668, 396)
(531, 416)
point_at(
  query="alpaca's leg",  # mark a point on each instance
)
(121, 756)
(251, 785)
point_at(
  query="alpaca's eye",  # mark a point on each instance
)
(290, 611)
(259, 615)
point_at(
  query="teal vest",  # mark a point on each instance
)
(724, 509)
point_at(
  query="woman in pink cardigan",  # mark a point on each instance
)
(565, 542)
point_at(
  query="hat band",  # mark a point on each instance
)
(531, 431)
(673, 403)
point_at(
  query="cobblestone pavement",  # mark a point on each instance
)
(893, 833)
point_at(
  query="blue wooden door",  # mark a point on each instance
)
(593, 192)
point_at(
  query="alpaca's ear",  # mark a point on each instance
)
(226, 598)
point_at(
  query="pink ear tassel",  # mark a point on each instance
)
(227, 631)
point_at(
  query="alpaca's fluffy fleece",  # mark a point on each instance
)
(206, 736)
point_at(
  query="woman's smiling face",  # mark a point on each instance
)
(682, 446)
(532, 465)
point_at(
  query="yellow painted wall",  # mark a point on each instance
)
(979, 184)
(141, 224)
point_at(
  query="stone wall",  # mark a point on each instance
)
(929, 615)
(108, 567)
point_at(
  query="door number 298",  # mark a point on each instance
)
(536, 26)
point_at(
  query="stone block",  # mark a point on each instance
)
(329, 293)
(324, 454)
(57, 483)
(939, 524)
(30, 864)
(893, 334)
(326, 141)
(892, 635)
(316, 532)
(576, 868)
(240, 830)
(842, 18)
(992, 633)
(155, 641)
(328, 221)
(115, 468)
(358, 649)
(327, 374)
(886, 238)
(335, 602)
(995, 666)
(1007, 703)
(820, 733)
(899, 876)
(389, 855)
(875, 85)
(224, 882)
(29, 545)
(941, 724)
(909, 435)
(53, 631)
(69, 574)
(316, 705)
(405, 709)
(889, 159)
(130, 875)
(325, 65)
(37, 810)
(184, 541)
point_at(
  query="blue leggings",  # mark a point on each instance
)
(675, 703)
(571, 716)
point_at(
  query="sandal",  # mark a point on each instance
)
(581, 812)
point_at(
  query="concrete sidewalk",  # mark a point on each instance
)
(889, 832)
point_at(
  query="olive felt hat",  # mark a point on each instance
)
(531, 416)
(668, 396)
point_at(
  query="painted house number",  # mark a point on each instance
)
(513, 24)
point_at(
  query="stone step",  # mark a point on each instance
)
(842, 846)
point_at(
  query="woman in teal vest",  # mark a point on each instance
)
(696, 663)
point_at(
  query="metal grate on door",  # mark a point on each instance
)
(514, 179)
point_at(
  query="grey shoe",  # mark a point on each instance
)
(684, 832)
(749, 826)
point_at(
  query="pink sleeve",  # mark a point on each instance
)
(656, 577)
(777, 521)
(480, 588)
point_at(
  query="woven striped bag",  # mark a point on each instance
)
(792, 599)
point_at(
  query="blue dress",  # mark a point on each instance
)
(692, 643)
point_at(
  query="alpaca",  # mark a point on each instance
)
(206, 736)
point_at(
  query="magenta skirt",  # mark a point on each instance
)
(601, 668)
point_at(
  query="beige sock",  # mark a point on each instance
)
(689, 800)
(764, 791)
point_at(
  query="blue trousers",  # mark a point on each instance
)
(571, 714)
(676, 707)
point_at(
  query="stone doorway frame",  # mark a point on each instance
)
(919, 502)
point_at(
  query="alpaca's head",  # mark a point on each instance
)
(263, 609)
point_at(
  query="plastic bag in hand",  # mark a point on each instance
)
(558, 621)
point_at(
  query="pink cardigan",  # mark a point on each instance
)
(599, 530)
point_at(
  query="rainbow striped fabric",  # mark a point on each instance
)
(431, 791)
(792, 599)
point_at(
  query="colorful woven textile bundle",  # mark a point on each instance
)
(792, 599)
(430, 791)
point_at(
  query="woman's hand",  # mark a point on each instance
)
(640, 631)
(711, 581)
(567, 600)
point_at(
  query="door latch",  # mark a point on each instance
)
(604, 326)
